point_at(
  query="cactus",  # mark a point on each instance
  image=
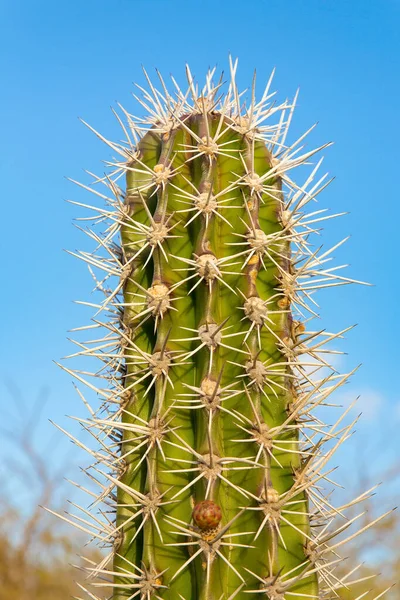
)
(212, 452)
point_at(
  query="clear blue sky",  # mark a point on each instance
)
(61, 60)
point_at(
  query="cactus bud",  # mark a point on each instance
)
(207, 514)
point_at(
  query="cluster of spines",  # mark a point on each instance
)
(212, 379)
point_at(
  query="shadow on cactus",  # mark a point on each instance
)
(211, 454)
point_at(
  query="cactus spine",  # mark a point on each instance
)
(211, 453)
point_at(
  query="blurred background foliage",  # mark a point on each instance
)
(38, 552)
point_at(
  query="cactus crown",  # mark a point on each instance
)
(210, 452)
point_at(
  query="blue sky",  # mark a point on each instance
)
(61, 61)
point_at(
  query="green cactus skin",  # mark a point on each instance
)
(212, 367)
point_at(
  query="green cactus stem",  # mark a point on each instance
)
(211, 453)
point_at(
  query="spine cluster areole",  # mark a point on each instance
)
(212, 467)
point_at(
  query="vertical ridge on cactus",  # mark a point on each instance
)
(212, 454)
